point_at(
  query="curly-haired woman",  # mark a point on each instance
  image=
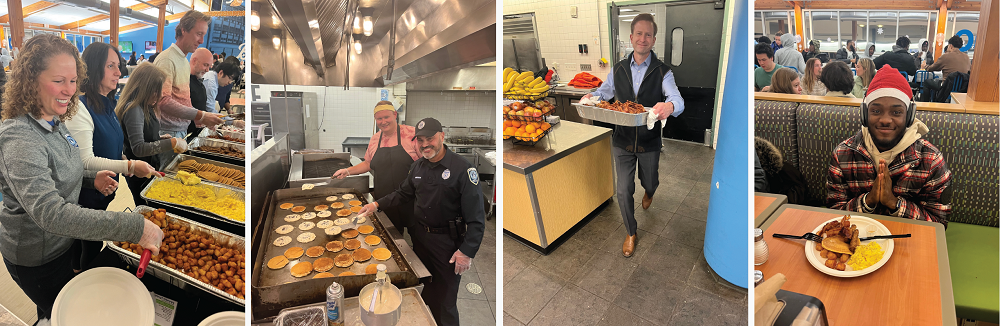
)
(41, 175)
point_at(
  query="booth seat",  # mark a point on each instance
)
(807, 128)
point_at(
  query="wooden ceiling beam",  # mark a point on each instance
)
(143, 6)
(229, 13)
(84, 22)
(129, 27)
(952, 5)
(31, 9)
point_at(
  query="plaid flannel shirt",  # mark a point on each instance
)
(919, 177)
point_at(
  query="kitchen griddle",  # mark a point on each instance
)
(323, 168)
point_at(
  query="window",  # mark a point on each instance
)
(853, 25)
(913, 25)
(676, 46)
(823, 27)
(882, 30)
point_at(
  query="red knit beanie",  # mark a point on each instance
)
(889, 82)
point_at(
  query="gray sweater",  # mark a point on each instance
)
(40, 178)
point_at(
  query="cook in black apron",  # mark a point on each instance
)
(390, 165)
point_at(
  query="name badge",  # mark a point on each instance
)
(72, 141)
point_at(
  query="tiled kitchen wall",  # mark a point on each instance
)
(559, 33)
(344, 113)
(453, 108)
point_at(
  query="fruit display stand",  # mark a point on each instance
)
(553, 186)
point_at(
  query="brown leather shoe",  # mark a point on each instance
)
(646, 200)
(629, 247)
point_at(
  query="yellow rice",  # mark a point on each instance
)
(865, 256)
(201, 196)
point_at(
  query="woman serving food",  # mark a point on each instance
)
(41, 175)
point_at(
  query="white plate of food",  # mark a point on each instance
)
(867, 250)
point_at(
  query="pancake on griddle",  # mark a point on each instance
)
(361, 254)
(347, 196)
(344, 212)
(282, 241)
(315, 251)
(349, 233)
(286, 205)
(337, 205)
(371, 268)
(355, 203)
(321, 208)
(381, 254)
(373, 240)
(331, 198)
(348, 273)
(277, 262)
(352, 244)
(298, 209)
(323, 264)
(323, 275)
(356, 209)
(366, 229)
(294, 252)
(302, 269)
(343, 260)
(334, 246)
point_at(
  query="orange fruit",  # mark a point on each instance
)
(530, 128)
(515, 124)
(506, 123)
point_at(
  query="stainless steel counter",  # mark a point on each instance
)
(564, 139)
(570, 91)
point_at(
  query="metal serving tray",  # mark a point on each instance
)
(273, 290)
(205, 133)
(172, 167)
(197, 142)
(609, 116)
(175, 277)
(235, 193)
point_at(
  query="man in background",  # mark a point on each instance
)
(762, 75)
(951, 61)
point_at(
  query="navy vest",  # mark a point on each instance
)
(109, 141)
(639, 139)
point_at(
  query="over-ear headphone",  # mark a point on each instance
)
(911, 112)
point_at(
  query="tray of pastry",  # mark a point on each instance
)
(309, 237)
(222, 273)
(218, 148)
(213, 200)
(215, 171)
(219, 134)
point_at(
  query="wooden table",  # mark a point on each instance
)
(237, 101)
(912, 288)
(972, 106)
(764, 204)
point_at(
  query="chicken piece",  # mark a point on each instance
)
(855, 241)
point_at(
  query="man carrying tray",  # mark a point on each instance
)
(644, 79)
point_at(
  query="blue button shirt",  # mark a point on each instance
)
(607, 90)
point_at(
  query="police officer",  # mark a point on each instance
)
(448, 217)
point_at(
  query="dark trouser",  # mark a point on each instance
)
(649, 177)
(135, 185)
(401, 216)
(87, 250)
(42, 283)
(441, 293)
(933, 85)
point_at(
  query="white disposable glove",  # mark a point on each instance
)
(166, 136)
(461, 261)
(368, 209)
(180, 145)
(342, 173)
(152, 237)
(141, 169)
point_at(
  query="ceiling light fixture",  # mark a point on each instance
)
(367, 25)
(254, 21)
(274, 20)
(357, 24)
(276, 41)
(357, 47)
(314, 23)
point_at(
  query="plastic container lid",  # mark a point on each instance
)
(225, 318)
(103, 296)
(304, 316)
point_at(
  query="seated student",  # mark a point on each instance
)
(765, 58)
(811, 85)
(838, 79)
(785, 81)
(899, 58)
(887, 168)
(866, 71)
(951, 61)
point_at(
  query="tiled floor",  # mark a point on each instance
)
(480, 309)
(587, 281)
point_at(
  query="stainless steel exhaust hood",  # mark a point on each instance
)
(431, 36)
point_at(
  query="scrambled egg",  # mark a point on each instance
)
(865, 256)
(200, 196)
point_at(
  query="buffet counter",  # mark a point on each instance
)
(553, 185)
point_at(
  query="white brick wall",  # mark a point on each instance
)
(559, 33)
(453, 108)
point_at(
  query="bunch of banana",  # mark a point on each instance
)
(524, 83)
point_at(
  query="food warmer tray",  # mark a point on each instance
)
(172, 167)
(273, 290)
(175, 277)
(235, 193)
(197, 142)
(205, 133)
(610, 116)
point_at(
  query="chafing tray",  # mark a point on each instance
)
(610, 116)
(172, 167)
(233, 192)
(197, 142)
(273, 290)
(205, 133)
(173, 276)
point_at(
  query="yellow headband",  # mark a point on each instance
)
(383, 107)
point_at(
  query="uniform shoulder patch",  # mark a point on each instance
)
(473, 176)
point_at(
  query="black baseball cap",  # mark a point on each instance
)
(427, 127)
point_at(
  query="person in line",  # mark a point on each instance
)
(866, 71)
(175, 109)
(849, 53)
(811, 84)
(644, 79)
(787, 56)
(887, 168)
(838, 79)
(131, 59)
(762, 76)
(41, 175)
(391, 152)
(776, 45)
(951, 61)
(226, 90)
(200, 61)
(899, 58)
(448, 219)
(785, 81)
(221, 76)
(137, 112)
(812, 51)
